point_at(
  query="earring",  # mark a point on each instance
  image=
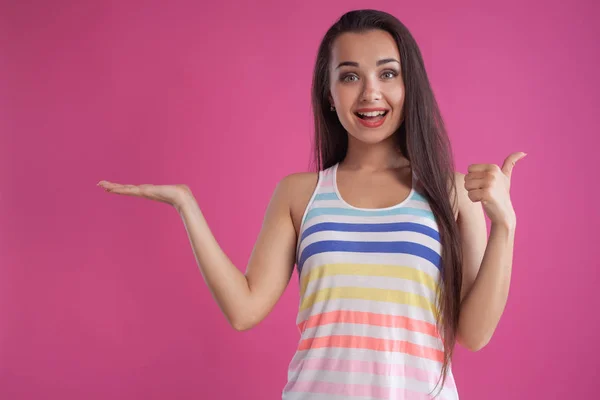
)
(332, 108)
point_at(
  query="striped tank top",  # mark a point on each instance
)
(367, 312)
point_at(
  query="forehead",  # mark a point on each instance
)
(365, 48)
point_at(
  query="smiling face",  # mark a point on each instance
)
(366, 87)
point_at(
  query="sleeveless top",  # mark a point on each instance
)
(367, 312)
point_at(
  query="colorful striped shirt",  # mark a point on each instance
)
(367, 312)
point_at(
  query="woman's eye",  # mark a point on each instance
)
(389, 74)
(349, 78)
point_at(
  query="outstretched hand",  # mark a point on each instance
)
(170, 194)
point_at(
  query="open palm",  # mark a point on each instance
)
(170, 194)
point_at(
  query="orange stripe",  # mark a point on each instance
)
(364, 342)
(367, 318)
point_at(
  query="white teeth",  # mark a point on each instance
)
(372, 113)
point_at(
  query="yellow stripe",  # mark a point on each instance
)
(389, 271)
(385, 295)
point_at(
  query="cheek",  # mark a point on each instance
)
(344, 95)
(396, 98)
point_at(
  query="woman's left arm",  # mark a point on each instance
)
(487, 263)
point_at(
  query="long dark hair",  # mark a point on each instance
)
(421, 138)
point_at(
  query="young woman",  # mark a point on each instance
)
(389, 241)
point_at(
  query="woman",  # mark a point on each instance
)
(390, 242)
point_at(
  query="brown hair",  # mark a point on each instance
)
(421, 138)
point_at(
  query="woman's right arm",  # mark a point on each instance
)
(246, 299)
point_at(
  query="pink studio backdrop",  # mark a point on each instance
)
(100, 296)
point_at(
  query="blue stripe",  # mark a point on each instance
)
(369, 247)
(383, 227)
(417, 196)
(317, 211)
(326, 196)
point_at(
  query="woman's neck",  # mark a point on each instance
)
(373, 157)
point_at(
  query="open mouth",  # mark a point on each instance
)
(372, 119)
(371, 116)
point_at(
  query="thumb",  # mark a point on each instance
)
(510, 162)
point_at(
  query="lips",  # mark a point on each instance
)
(373, 118)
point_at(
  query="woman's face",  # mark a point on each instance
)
(366, 87)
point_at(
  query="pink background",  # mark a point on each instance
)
(100, 296)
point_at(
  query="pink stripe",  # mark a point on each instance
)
(369, 367)
(371, 343)
(357, 390)
(358, 317)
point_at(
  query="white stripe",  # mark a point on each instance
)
(372, 306)
(383, 219)
(319, 396)
(360, 378)
(417, 204)
(327, 204)
(342, 353)
(337, 203)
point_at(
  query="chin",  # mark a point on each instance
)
(369, 134)
(372, 137)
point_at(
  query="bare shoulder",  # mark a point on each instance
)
(299, 180)
(298, 188)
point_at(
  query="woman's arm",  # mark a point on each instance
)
(246, 299)
(487, 263)
(486, 272)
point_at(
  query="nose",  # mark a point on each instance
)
(371, 91)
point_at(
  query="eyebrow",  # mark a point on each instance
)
(355, 64)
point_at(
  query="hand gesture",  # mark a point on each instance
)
(490, 185)
(170, 194)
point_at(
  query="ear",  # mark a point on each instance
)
(330, 99)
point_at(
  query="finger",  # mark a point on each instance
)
(510, 162)
(478, 195)
(472, 184)
(106, 184)
(477, 175)
(482, 167)
(130, 190)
